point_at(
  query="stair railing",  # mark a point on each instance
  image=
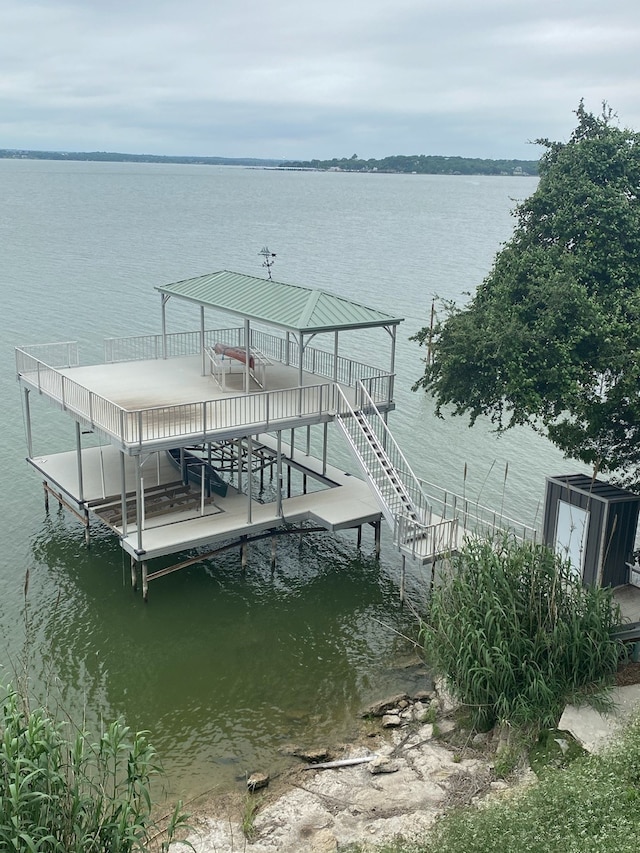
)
(381, 459)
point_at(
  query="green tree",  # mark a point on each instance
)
(551, 337)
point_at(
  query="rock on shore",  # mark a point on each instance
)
(400, 792)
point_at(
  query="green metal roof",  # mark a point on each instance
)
(289, 306)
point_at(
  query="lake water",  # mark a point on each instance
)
(225, 668)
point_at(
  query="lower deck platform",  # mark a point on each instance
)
(178, 518)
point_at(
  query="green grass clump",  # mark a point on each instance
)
(546, 752)
(517, 635)
(592, 807)
(64, 792)
(250, 809)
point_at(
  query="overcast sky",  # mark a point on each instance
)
(303, 79)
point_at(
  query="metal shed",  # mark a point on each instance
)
(593, 524)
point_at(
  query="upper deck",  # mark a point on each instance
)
(159, 391)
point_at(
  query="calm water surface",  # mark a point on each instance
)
(225, 668)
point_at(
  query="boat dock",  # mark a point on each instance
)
(189, 443)
(186, 427)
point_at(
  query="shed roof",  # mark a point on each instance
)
(289, 306)
(596, 489)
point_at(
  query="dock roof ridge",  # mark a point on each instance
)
(290, 306)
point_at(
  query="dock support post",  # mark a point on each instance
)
(139, 506)
(203, 356)
(163, 302)
(87, 532)
(402, 578)
(249, 478)
(300, 374)
(46, 498)
(247, 356)
(273, 553)
(392, 365)
(79, 462)
(377, 527)
(324, 448)
(359, 539)
(27, 419)
(279, 474)
(243, 553)
(145, 582)
(123, 494)
(134, 575)
(239, 449)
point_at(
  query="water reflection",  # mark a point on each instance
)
(224, 667)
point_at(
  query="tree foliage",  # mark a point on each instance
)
(421, 164)
(552, 336)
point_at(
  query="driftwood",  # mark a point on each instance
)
(341, 762)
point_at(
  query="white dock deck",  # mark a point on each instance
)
(165, 402)
(347, 503)
(154, 383)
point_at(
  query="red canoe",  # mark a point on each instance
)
(238, 353)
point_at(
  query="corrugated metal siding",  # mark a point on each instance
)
(612, 524)
(289, 306)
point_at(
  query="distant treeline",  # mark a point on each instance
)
(115, 157)
(421, 164)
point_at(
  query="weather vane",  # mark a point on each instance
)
(268, 256)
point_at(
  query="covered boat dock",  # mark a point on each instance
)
(243, 404)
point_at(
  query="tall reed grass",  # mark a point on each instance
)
(63, 792)
(516, 634)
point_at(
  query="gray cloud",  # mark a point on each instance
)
(309, 79)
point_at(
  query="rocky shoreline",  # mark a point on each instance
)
(415, 762)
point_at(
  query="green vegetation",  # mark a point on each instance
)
(116, 157)
(61, 792)
(547, 752)
(418, 164)
(517, 635)
(250, 810)
(421, 164)
(551, 336)
(591, 807)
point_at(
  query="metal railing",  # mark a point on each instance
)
(425, 542)
(89, 407)
(57, 355)
(404, 504)
(256, 412)
(149, 347)
(382, 461)
(474, 517)
(318, 362)
(260, 411)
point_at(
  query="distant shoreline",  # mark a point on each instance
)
(397, 164)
